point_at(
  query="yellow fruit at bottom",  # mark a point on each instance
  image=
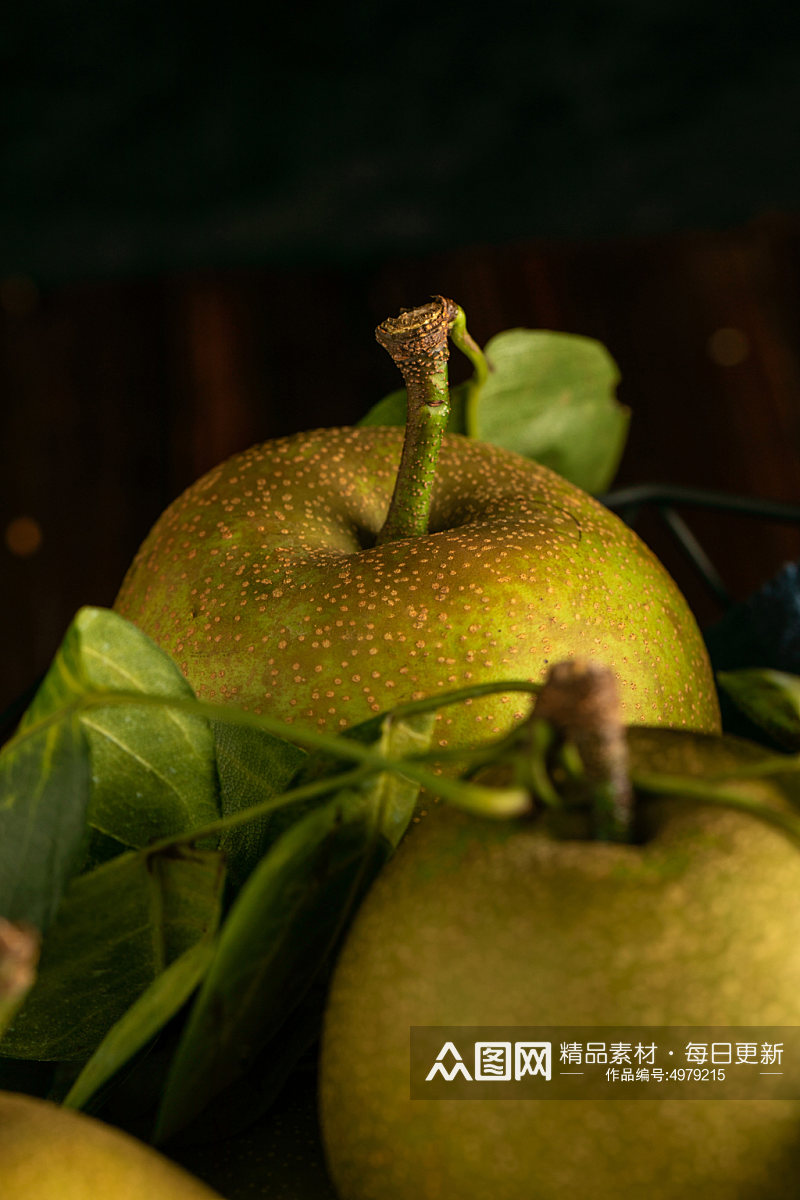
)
(52, 1153)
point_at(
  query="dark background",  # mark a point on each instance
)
(204, 213)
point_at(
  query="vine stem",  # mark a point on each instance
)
(463, 341)
(487, 801)
(705, 791)
(308, 739)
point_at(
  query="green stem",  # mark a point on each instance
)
(501, 802)
(308, 791)
(772, 765)
(542, 738)
(417, 341)
(489, 801)
(680, 787)
(474, 692)
(308, 739)
(463, 341)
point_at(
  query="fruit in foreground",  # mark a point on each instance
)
(475, 923)
(51, 1153)
(278, 583)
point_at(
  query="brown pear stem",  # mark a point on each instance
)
(417, 341)
(581, 700)
(19, 955)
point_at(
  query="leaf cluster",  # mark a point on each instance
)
(193, 868)
(180, 861)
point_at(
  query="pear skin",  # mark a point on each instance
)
(479, 923)
(53, 1153)
(263, 583)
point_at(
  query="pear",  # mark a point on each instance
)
(477, 923)
(267, 583)
(52, 1153)
(329, 576)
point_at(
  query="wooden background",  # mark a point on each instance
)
(115, 395)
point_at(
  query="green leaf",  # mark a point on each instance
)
(152, 766)
(389, 798)
(157, 1005)
(550, 396)
(44, 795)
(118, 927)
(391, 410)
(241, 1000)
(771, 699)
(284, 925)
(254, 1093)
(252, 766)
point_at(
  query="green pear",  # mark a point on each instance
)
(475, 923)
(335, 574)
(52, 1153)
(264, 582)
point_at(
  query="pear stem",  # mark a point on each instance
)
(580, 699)
(417, 341)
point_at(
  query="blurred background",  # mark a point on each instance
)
(205, 212)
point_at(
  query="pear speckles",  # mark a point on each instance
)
(266, 568)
